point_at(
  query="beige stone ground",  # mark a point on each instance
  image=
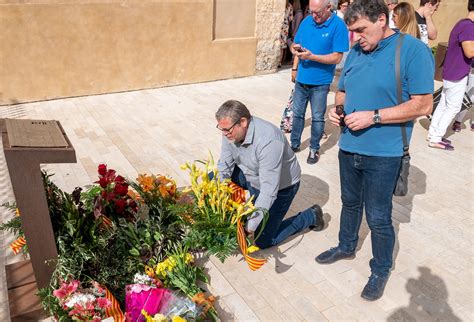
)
(155, 131)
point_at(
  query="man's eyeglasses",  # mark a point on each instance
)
(320, 12)
(229, 130)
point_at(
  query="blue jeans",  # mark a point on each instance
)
(317, 95)
(368, 182)
(276, 229)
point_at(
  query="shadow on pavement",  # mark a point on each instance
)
(428, 300)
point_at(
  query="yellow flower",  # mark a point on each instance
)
(177, 319)
(157, 318)
(149, 271)
(189, 258)
(160, 318)
(252, 249)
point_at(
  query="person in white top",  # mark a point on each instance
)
(391, 4)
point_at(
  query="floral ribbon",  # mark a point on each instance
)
(238, 195)
(113, 310)
(17, 245)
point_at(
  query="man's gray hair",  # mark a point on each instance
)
(234, 110)
(395, 2)
(369, 9)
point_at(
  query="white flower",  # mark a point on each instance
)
(79, 298)
(140, 278)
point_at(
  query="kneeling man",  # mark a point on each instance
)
(256, 156)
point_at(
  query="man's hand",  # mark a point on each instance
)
(430, 10)
(306, 54)
(250, 236)
(334, 118)
(294, 48)
(293, 75)
(359, 120)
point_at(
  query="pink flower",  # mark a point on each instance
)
(66, 289)
(103, 303)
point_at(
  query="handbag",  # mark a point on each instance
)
(401, 187)
(286, 123)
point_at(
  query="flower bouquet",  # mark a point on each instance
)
(84, 304)
(213, 223)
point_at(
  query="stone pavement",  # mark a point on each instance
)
(155, 131)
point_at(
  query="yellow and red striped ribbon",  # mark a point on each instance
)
(238, 195)
(17, 245)
(254, 263)
(114, 310)
(106, 222)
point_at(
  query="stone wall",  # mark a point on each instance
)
(269, 15)
(53, 49)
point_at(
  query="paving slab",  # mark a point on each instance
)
(156, 130)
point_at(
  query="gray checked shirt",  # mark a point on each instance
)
(267, 161)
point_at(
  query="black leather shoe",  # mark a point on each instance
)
(318, 218)
(333, 255)
(313, 157)
(295, 150)
(374, 288)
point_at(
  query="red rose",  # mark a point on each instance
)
(124, 190)
(102, 169)
(120, 179)
(103, 182)
(132, 204)
(120, 205)
(118, 189)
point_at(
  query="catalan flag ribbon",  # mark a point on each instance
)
(106, 222)
(17, 245)
(114, 310)
(238, 195)
(254, 263)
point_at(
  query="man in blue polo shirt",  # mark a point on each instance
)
(321, 40)
(371, 144)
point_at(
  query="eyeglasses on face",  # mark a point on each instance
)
(229, 130)
(319, 12)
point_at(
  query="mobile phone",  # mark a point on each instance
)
(340, 111)
(300, 49)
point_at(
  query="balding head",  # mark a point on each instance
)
(320, 10)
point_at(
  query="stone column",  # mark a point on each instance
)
(270, 15)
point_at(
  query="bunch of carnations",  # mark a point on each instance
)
(82, 304)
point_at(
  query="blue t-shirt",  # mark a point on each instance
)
(368, 79)
(329, 37)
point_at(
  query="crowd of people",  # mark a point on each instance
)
(374, 109)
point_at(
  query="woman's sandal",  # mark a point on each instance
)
(443, 140)
(441, 145)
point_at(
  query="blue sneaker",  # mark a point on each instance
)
(374, 288)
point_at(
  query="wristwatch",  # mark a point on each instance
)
(376, 118)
